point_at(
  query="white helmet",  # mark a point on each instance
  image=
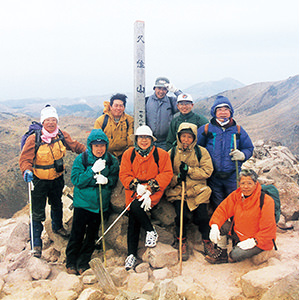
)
(185, 97)
(143, 130)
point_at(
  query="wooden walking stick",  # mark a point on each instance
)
(181, 227)
(236, 163)
(102, 226)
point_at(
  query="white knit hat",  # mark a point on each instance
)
(48, 112)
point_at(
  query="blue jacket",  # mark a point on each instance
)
(86, 191)
(159, 114)
(219, 141)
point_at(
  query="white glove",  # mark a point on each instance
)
(141, 189)
(171, 88)
(214, 234)
(247, 244)
(99, 165)
(237, 155)
(146, 205)
(100, 179)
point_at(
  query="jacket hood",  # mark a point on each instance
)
(106, 108)
(94, 135)
(188, 127)
(221, 100)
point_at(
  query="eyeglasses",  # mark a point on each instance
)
(184, 103)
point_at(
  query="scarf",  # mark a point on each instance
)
(47, 136)
(142, 152)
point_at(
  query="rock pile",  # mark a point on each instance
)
(269, 275)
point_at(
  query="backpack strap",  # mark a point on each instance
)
(206, 128)
(155, 155)
(84, 158)
(104, 122)
(198, 152)
(38, 134)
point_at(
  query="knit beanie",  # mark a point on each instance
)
(48, 112)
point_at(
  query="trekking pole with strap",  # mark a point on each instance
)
(236, 163)
(102, 225)
(30, 188)
(181, 227)
(113, 223)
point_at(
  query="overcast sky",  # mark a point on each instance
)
(76, 48)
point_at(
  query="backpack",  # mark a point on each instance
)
(155, 155)
(272, 191)
(85, 163)
(197, 150)
(106, 120)
(36, 128)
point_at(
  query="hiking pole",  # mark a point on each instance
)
(30, 188)
(181, 227)
(102, 225)
(114, 222)
(236, 163)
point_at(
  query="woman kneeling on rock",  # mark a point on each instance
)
(253, 228)
(145, 172)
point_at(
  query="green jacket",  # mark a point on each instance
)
(86, 191)
(191, 117)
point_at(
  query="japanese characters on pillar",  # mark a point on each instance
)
(139, 74)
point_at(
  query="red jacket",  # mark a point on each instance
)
(144, 169)
(250, 221)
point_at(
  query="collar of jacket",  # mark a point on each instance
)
(232, 122)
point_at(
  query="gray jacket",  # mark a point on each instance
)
(159, 114)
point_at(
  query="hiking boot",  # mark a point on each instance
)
(72, 270)
(151, 238)
(218, 257)
(62, 232)
(175, 244)
(37, 251)
(130, 262)
(208, 247)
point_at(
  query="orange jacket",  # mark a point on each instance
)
(144, 169)
(250, 221)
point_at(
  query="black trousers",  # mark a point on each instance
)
(137, 219)
(200, 218)
(84, 232)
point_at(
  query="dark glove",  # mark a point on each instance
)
(183, 172)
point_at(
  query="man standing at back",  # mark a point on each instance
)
(160, 109)
(116, 124)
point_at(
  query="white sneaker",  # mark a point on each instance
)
(151, 238)
(130, 262)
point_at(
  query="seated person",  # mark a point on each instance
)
(253, 228)
(145, 178)
(192, 165)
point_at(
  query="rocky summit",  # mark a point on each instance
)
(270, 275)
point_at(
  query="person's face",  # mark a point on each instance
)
(117, 108)
(185, 106)
(160, 92)
(144, 141)
(98, 150)
(50, 124)
(247, 185)
(223, 113)
(186, 139)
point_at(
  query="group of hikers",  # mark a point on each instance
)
(182, 158)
